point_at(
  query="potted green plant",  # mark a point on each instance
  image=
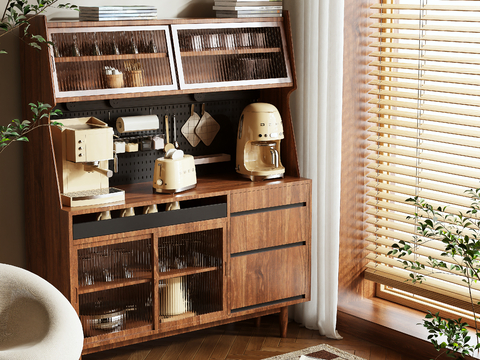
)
(16, 15)
(460, 235)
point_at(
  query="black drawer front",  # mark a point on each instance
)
(148, 221)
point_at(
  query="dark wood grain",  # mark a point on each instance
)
(221, 342)
(280, 97)
(77, 98)
(92, 346)
(267, 229)
(268, 276)
(41, 192)
(277, 193)
(256, 279)
(86, 24)
(141, 194)
(283, 318)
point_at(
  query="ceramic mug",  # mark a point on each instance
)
(150, 209)
(127, 212)
(104, 215)
(173, 206)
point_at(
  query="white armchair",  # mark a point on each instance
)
(36, 321)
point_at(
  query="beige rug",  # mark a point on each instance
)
(319, 352)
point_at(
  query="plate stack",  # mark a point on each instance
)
(125, 12)
(248, 8)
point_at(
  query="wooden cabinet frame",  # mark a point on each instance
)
(67, 95)
(222, 50)
(56, 235)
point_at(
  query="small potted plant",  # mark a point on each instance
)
(17, 14)
(460, 235)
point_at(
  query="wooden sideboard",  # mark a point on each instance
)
(235, 249)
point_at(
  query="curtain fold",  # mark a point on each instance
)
(317, 27)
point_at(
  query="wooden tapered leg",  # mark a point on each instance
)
(283, 321)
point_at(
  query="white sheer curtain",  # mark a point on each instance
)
(317, 27)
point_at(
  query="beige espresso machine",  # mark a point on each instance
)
(83, 147)
(260, 131)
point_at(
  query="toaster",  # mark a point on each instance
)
(173, 175)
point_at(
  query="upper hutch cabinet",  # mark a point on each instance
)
(232, 54)
(91, 61)
(111, 60)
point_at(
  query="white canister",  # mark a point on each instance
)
(173, 297)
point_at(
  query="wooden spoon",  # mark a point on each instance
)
(168, 146)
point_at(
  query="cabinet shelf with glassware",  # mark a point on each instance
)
(109, 271)
(235, 249)
(231, 54)
(113, 60)
(134, 285)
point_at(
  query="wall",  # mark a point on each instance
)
(12, 223)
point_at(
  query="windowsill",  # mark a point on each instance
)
(392, 325)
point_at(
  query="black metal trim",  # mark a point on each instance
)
(251, 307)
(149, 221)
(272, 248)
(273, 208)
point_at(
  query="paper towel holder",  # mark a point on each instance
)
(127, 124)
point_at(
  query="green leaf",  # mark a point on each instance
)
(38, 38)
(35, 45)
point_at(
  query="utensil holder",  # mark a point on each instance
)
(134, 78)
(115, 81)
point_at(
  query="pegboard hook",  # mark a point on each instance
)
(192, 109)
(203, 109)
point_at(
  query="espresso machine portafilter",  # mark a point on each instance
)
(260, 131)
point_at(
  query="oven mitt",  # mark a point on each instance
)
(188, 129)
(207, 128)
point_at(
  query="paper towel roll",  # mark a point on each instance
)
(137, 123)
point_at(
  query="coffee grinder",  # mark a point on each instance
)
(260, 131)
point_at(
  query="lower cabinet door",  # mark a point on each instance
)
(269, 275)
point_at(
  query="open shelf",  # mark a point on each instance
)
(70, 59)
(140, 278)
(190, 211)
(187, 271)
(186, 315)
(112, 311)
(131, 326)
(230, 52)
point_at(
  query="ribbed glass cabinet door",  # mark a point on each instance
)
(111, 60)
(191, 274)
(222, 55)
(115, 287)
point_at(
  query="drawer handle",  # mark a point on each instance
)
(273, 208)
(280, 247)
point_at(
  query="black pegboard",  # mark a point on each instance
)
(136, 167)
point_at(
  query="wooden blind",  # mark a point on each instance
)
(425, 132)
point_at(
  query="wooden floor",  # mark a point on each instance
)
(242, 341)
